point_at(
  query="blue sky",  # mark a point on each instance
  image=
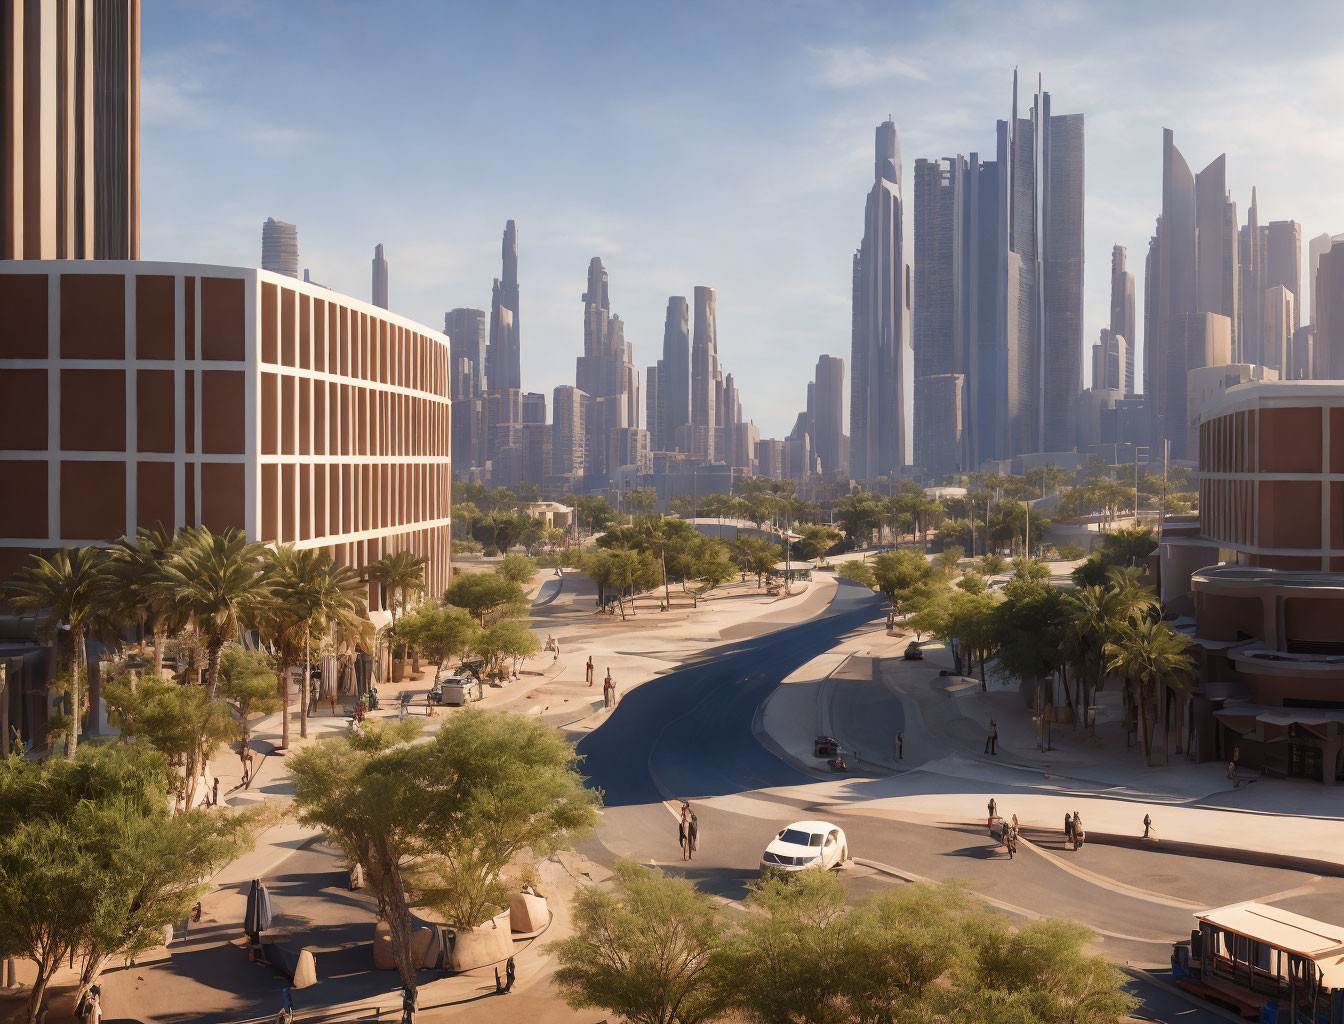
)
(725, 144)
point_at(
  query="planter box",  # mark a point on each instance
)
(486, 944)
(527, 913)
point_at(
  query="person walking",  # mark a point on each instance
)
(681, 830)
(900, 745)
(557, 652)
(993, 807)
(1147, 825)
(692, 837)
(1068, 829)
(992, 739)
(588, 671)
(407, 1005)
(1078, 833)
(509, 972)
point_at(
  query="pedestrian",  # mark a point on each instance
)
(588, 672)
(356, 877)
(681, 832)
(1078, 833)
(286, 1014)
(992, 739)
(1068, 829)
(93, 1012)
(692, 837)
(407, 1005)
(214, 799)
(1232, 774)
(1147, 825)
(993, 807)
(557, 652)
(609, 681)
(900, 745)
(332, 696)
(499, 985)
(509, 972)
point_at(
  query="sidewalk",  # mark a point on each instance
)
(946, 778)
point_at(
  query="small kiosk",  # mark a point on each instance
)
(1270, 964)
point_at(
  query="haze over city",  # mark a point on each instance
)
(726, 146)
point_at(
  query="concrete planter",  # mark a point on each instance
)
(487, 944)
(527, 913)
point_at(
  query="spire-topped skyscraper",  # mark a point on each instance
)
(882, 367)
(502, 356)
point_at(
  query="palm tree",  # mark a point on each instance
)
(1147, 655)
(137, 594)
(308, 596)
(217, 580)
(401, 574)
(71, 586)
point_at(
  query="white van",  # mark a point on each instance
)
(458, 690)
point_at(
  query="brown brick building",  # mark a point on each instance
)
(140, 392)
(1261, 579)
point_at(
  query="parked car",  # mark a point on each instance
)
(914, 652)
(804, 845)
(824, 746)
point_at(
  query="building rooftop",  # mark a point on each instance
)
(1256, 393)
(1318, 941)
(1230, 576)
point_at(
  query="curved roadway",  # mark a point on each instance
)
(689, 734)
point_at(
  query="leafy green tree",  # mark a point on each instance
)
(644, 950)
(948, 559)
(641, 501)
(973, 583)
(899, 574)
(219, 581)
(930, 612)
(1038, 973)
(787, 962)
(71, 587)
(1029, 632)
(859, 572)
(247, 685)
(1030, 570)
(816, 541)
(400, 576)
(440, 632)
(487, 787)
(93, 864)
(506, 640)
(481, 593)
(993, 564)
(1128, 547)
(756, 556)
(181, 721)
(517, 569)
(503, 784)
(858, 514)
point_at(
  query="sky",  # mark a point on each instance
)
(688, 143)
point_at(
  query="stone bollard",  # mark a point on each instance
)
(305, 973)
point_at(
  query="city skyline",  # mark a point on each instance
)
(757, 205)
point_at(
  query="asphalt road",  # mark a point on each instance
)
(688, 735)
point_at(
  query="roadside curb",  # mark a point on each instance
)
(1204, 851)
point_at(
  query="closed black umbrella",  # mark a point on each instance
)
(258, 916)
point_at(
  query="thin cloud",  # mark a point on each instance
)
(845, 67)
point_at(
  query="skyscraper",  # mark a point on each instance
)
(1216, 272)
(568, 432)
(466, 332)
(1277, 333)
(1329, 291)
(1060, 205)
(379, 277)
(938, 344)
(606, 373)
(674, 378)
(280, 247)
(882, 362)
(1110, 358)
(1316, 249)
(1283, 260)
(1122, 315)
(1251, 278)
(503, 352)
(705, 376)
(70, 129)
(653, 407)
(828, 408)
